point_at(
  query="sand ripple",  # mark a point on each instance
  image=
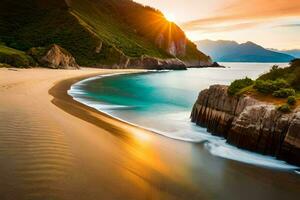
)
(34, 153)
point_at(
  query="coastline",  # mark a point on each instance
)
(69, 83)
(212, 144)
(47, 153)
(63, 100)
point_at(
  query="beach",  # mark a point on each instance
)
(52, 147)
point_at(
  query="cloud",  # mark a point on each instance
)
(225, 28)
(247, 12)
(289, 25)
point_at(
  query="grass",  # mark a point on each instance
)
(250, 91)
(10, 51)
(113, 30)
(4, 65)
(12, 57)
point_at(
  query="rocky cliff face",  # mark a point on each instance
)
(249, 124)
(174, 46)
(154, 63)
(146, 62)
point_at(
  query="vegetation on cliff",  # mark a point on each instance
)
(278, 83)
(95, 32)
(237, 85)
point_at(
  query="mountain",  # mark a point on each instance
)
(293, 52)
(231, 51)
(96, 32)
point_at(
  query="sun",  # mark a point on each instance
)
(170, 17)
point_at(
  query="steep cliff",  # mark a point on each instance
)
(249, 124)
(96, 32)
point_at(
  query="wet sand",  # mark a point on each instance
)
(52, 147)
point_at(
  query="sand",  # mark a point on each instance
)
(52, 147)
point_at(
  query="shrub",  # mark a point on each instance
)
(37, 52)
(4, 65)
(285, 108)
(14, 57)
(295, 62)
(291, 100)
(274, 68)
(284, 93)
(295, 82)
(239, 84)
(275, 73)
(15, 60)
(269, 86)
(263, 86)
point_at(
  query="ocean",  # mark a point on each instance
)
(162, 101)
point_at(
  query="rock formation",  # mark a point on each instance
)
(174, 46)
(150, 63)
(155, 63)
(204, 65)
(58, 58)
(249, 124)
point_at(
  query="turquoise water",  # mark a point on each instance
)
(162, 102)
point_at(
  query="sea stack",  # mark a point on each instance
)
(249, 123)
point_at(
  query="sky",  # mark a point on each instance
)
(270, 23)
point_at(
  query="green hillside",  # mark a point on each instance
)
(13, 57)
(96, 32)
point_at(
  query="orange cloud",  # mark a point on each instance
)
(224, 28)
(247, 12)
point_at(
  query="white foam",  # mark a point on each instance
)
(233, 153)
(106, 109)
(98, 105)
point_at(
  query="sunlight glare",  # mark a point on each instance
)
(170, 17)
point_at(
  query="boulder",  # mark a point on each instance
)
(54, 57)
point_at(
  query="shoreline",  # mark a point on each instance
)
(67, 103)
(147, 129)
(47, 153)
(255, 160)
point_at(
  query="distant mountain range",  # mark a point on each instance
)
(231, 51)
(292, 52)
